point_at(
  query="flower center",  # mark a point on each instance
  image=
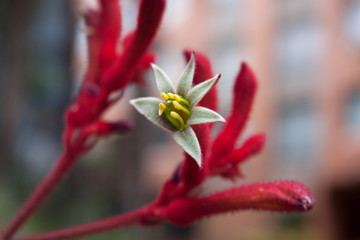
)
(176, 110)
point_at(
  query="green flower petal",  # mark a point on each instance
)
(188, 141)
(149, 107)
(186, 78)
(204, 115)
(163, 82)
(199, 91)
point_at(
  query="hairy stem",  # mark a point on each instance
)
(105, 225)
(63, 165)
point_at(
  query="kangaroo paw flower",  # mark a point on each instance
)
(177, 109)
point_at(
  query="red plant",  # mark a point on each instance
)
(108, 73)
(177, 202)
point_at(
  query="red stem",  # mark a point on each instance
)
(64, 163)
(104, 225)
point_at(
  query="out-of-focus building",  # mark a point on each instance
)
(306, 55)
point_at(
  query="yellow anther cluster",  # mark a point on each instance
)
(176, 110)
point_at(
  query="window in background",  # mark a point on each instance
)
(297, 134)
(352, 22)
(298, 45)
(298, 48)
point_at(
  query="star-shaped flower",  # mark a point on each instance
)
(177, 110)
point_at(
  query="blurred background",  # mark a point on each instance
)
(306, 55)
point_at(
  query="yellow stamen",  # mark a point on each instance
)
(178, 106)
(164, 96)
(173, 121)
(171, 95)
(161, 108)
(182, 100)
(177, 98)
(176, 116)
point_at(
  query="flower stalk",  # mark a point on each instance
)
(107, 73)
(105, 225)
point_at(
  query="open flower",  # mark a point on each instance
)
(177, 110)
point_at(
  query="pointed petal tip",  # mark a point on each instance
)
(198, 161)
(132, 102)
(162, 80)
(186, 78)
(189, 54)
(153, 65)
(217, 76)
(223, 119)
(200, 90)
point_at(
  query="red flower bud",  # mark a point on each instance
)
(149, 19)
(244, 93)
(284, 196)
